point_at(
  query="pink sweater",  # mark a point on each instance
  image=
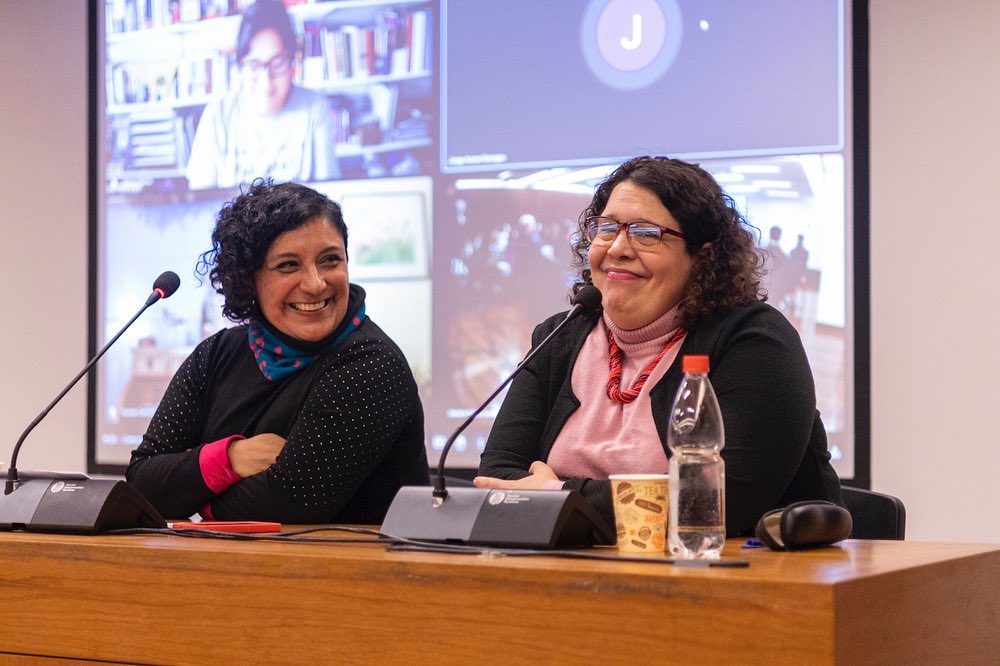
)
(604, 437)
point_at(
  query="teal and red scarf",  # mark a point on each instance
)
(278, 356)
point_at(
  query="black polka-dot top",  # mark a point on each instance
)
(352, 420)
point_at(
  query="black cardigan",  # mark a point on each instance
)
(775, 451)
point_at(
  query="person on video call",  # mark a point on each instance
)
(680, 274)
(305, 413)
(268, 127)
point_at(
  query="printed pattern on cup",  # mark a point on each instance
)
(640, 514)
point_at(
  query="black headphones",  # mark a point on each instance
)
(804, 525)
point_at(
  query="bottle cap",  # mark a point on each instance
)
(695, 364)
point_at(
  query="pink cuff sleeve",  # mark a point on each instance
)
(554, 484)
(216, 470)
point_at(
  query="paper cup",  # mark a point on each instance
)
(641, 504)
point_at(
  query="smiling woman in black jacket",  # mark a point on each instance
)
(305, 413)
(680, 274)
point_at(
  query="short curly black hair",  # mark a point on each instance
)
(244, 231)
(724, 274)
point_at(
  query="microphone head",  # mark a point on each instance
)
(589, 297)
(166, 284)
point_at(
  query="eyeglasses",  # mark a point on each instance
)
(275, 67)
(604, 230)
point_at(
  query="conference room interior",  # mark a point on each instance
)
(930, 151)
(926, 355)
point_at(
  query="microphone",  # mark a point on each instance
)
(73, 502)
(510, 518)
(163, 287)
(585, 300)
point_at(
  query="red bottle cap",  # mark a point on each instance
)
(695, 364)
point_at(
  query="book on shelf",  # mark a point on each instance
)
(383, 100)
(418, 24)
(153, 150)
(170, 81)
(414, 127)
(314, 70)
(151, 125)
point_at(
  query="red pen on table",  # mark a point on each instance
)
(240, 526)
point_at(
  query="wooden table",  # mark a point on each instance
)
(166, 599)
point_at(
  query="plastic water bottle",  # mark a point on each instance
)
(697, 523)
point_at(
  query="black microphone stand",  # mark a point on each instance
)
(73, 502)
(507, 518)
(12, 477)
(440, 491)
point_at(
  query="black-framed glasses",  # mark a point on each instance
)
(603, 231)
(276, 67)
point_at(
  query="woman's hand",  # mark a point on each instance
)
(539, 472)
(255, 454)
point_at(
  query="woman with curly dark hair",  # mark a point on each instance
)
(305, 413)
(679, 271)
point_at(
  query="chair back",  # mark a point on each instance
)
(875, 515)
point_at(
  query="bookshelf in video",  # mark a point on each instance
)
(356, 121)
(166, 60)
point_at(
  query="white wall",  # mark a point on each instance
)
(935, 121)
(43, 217)
(935, 240)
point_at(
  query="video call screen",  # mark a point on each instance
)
(463, 140)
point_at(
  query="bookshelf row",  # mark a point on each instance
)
(125, 16)
(188, 81)
(138, 90)
(395, 46)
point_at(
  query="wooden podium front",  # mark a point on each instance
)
(166, 599)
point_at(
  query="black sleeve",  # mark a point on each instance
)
(598, 493)
(164, 467)
(768, 401)
(353, 416)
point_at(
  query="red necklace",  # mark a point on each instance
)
(615, 369)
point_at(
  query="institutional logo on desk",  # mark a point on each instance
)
(497, 498)
(57, 486)
(63, 487)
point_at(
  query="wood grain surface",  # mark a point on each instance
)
(167, 599)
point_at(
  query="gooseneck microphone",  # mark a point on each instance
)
(164, 286)
(509, 518)
(587, 299)
(99, 503)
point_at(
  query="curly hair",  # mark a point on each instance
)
(725, 273)
(244, 231)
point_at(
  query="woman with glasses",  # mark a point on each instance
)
(268, 127)
(306, 412)
(679, 272)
